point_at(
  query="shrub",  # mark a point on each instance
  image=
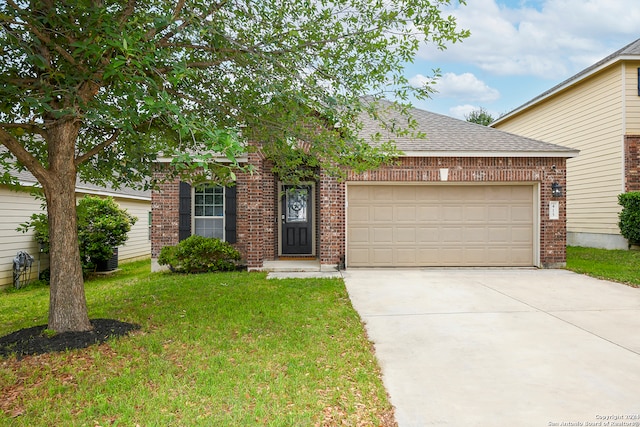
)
(102, 226)
(197, 254)
(630, 216)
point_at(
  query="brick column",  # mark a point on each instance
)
(165, 205)
(331, 223)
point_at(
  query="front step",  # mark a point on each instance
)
(290, 266)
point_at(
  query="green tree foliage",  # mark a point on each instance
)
(630, 216)
(479, 116)
(102, 226)
(197, 254)
(96, 89)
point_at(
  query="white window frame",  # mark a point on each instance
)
(193, 209)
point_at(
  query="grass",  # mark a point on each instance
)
(228, 349)
(616, 265)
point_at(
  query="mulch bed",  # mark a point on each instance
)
(30, 341)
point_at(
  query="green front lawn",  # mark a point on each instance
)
(228, 349)
(616, 265)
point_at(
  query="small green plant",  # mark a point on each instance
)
(49, 333)
(102, 226)
(197, 254)
(630, 216)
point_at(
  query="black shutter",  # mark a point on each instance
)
(230, 214)
(184, 213)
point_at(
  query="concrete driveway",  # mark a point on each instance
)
(518, 347)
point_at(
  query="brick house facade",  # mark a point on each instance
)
(257, 195)
(632, 163)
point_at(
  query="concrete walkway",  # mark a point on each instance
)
(503, 347)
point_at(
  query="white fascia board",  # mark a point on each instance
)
(567, 154)
(114, 193)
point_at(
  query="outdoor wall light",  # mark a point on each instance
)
(556, 190)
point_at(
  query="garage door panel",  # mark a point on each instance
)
(521, 234)
(499, 234)
(427, 213)
(382, 193)
(383, 213)
(451, 235)
(520, 255)
(405, 235)
(382, 256)
(432, 225)
(404, 194)
(475, 255)
(359, 256)
(475, 234)
(521, 213)
(428, 235)
(475, 213)
(451, 213)
(360, 235)
(405, 213)
(359, 193)
(383, 235)
(359, 214)
(405, 256)
(498, 213)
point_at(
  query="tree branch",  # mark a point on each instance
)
(98, 148)
(46, 40)
(127, 11)
(23, 156)
(213, 9)
(29, 127)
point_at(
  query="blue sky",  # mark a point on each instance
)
(519, 49)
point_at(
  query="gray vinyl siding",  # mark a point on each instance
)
(17, 207)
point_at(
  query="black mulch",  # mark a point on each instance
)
(31, 341)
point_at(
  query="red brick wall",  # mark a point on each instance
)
(632, 163)
(331, 221)
(164, 215)
(257, 198)
(461, 169)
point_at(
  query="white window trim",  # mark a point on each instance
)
(224, 209)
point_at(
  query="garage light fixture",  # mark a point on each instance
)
(556, 190)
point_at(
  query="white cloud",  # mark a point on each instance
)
(554, 40)
(463, 86)
(461, 111)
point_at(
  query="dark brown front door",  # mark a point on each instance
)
(297, 217)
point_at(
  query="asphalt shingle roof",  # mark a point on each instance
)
(447, 134)
(27, 178)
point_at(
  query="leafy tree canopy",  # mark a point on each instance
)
(144, 77)
(99, 89)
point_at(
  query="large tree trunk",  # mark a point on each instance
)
(67, 302)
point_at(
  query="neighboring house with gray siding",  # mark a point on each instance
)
(17, 206)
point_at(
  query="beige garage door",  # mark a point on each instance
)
(440, 225)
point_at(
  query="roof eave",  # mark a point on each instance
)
(565, 85)
(527, 154)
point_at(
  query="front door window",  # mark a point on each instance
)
(297, 226)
